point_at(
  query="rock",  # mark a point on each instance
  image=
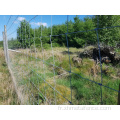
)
(107, 54)
(87, 53)
(77, 61)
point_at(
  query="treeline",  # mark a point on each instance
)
(26, 35)
(1, 43)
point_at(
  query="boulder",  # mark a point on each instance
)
(108, 54)
(87, 53)
(77, 61)
(105, 52)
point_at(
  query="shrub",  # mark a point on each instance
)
(80, 42)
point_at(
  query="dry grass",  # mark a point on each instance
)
(7, 91)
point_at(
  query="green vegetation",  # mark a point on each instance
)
(83, 90)
(107, 36)
(1, 44)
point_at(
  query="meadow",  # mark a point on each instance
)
(38, 71)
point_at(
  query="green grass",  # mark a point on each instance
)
(84, 92)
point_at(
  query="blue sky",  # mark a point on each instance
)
(46, 21)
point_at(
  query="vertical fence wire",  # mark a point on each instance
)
(69, 59)
(36, 63)
(53, 64)
(22, 28)
(23, 46)
(26, 62)
(29, 38)
(99, 58)
(25, 50)
(43, 61)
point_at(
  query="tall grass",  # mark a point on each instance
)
(8, 95)
(83, 91)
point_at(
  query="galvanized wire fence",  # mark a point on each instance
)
(47, 74)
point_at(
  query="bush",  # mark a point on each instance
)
(13, 44)
(55, 45)
(1, 43)
(80, 42)
(46, 46)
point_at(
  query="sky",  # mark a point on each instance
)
(45, 20)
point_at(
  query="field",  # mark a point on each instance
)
(39, 71)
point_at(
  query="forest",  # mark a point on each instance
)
(26, 35)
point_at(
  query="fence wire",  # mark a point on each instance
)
(49, 75)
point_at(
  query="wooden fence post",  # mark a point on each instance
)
(6, 45)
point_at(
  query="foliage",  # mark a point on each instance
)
(80, 42)
(108, 36)
(13, 44)
(27, 35)
(1, 43)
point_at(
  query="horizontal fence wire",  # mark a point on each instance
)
(67, 71)
(50, 64)
(12, 23)
(9, 20)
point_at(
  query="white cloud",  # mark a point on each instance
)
(38, 24)
(21, 18)
(16, 22)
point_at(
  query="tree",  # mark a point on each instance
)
(25, 34)
(107, 36)
(89, 36)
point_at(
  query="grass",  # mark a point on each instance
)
(83, 91)
(7, 92)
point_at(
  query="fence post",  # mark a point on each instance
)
(6, 45)
(119, 95)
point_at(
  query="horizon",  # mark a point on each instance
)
(46, 21)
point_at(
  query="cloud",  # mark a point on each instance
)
(16, 22)
(38, 24)
(21, 18)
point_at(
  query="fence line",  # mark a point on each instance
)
(30, 56)
(71, 72)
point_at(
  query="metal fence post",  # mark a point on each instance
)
(6, 45)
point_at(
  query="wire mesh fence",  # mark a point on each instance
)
(63, 63)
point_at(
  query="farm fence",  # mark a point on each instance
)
(45, 73)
